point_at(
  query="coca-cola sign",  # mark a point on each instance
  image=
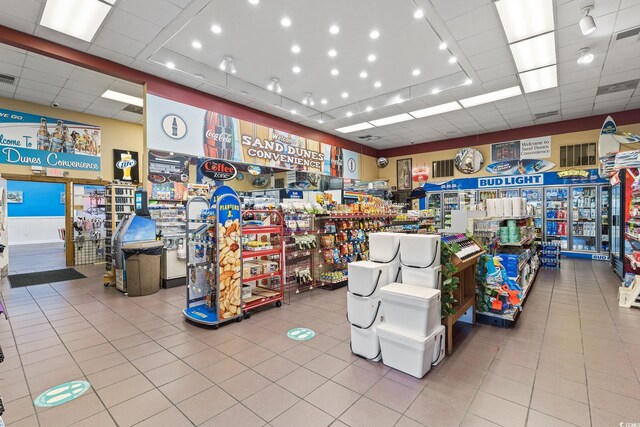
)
(218, 170)
(219, 137)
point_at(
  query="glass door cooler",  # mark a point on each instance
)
(622, 225)
(534, 208)
(605, 235)
(584, 219)
(450, 202)
(468, 198)
(556, 215)
(509, 192)
(433, 204)
(488, 194)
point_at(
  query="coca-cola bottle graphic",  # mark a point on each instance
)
(336, 161)
(219, 136)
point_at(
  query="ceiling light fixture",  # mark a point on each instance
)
(453, 60)
(323, 101)
(442, 46)
(227, 62)
(584, 57)
(539, 79)
(295, 48)
(215, 29)
(196, 44)
(363, 74)
(349, 114)
(332, 53)
(121, 97)
(485, 98)
(170, 65)
(355, 128)
(418, 14)
(369, 108)
(254, 2)
(371, 58)
(335, 72)
(296, 69)
(391, 120)
(77, 18)
(435, 91)
(377, 84)
(468, 82)
(274, 84)
(344, 94)
(416, 72)
(285, 22)
(535, 52)
(308, 99)
(293, 111)
(438, 109)
(587, 24)
(334, 29)
(374, 34)
(320, 121)
(522, 19)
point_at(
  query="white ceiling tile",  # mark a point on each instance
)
(61, 38)
(27, 10)
(31, 93)
(96, 88)
(497, 71)
(72, 103)
(43, 64)
(580, 94)
(17, 23)
(7, 91)
(161, 13)
(628, 19)
(43, 77)
(110, 55)
(626, 94)
(10, 69)
(474, 22)
(132, 26)
(130, 117)
(37, 86)
(80, 96)
(494, 57)
(12, 56)
(483, 42)
(117, 42)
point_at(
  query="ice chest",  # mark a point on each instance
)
(383, 247)
(362, 311)
(429, 277)
(419, 250)
(364, 342)
(405, 352)
(410, 308)
(367, 277)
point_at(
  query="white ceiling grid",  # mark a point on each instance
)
(144, 34)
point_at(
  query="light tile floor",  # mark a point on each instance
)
(574, 358)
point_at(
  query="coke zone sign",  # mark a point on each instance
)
(218, 170)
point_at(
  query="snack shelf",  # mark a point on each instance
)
(264, 252)
(260, 277)
(261, 230)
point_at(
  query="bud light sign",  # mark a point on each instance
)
(510, 181)
(217, 170)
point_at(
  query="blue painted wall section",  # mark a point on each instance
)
(39, 199)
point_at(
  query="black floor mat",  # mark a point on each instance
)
(40, 277)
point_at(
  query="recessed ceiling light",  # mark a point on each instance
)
(535, 52)
(522, 19)
(391, 120)
(296, 69)
(377, 84)
(215, 28)
(363, 74)
(539, 79)
(435, 91)
(323, 101)
(285, 22)
(196, 44)
(355, 128)
(399, 100)
(344, 94)
(453, 60)
(584, 57)
(349, 114)
(254, 2)
(334, 29)
(332, 53)
(374, 34)
(416, 72)
(371, 58)
(335, 72)
(170, 65)
(491, 97)
(369, 108)
(321, 121)
(77, 18)
(293, 111)
(468, 82)
(121, 97)
(438, 109)
(418, 14)
(442, 46)
(295, 48)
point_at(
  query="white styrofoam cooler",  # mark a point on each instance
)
(365, 343)
(365, 275)
(406, 352)
(420, 250)
(383, 247)
(362, 311)
(440, 346)
(410, 308)
(431, 277)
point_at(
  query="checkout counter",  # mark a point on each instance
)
(136, 256)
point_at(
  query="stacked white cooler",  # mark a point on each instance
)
(412, 336)
(366, 278)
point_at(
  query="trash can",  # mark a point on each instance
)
(142, 267)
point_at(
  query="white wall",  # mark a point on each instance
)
(31, 229)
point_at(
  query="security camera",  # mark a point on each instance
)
(55, 104)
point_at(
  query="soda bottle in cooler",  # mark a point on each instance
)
(43, 135)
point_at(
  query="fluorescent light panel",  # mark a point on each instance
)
(391, 120)
(122, 97)
(438, 109)
(522, 19)
(540, 79)
(77, 18)
(535, 52)
(355, 128)
(491, 97)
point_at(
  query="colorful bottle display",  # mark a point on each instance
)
(43, 135)
(468, 247)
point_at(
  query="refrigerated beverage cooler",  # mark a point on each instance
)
(509, 192)
(433, 201)
(605, 231)
(450, 202)
(623, 245)
(534, 198)
(556, 215)
(488, 194)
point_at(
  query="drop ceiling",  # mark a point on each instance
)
(146, 34)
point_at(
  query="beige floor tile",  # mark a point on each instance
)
(237, 415)
(244, 384)
(206, 404)
(356, 378)
(204, 358)
(498, 410)
(326, 365)
(77, 410)
(101, 419)
(112, 375)
(560, 407)
(366, 412)
(471, 420)
(538, 419)
(562, 387)
(392, 394)
(171, 417)
(303, 413)
(615, 403)
(332, 398)
(275, 368)
(301, 381)
(270, 402)
(223, 370)
(139, 408)
(432, 412)
(185, 387)
(124, 390)
(169, 372)
(507, 389)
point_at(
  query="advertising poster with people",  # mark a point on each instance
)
(35, 140)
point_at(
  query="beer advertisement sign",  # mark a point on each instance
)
(126, 166)
(175, 127)
(35, 140)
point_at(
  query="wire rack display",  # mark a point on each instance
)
(89, 251)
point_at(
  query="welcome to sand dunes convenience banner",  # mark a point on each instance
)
(35, 140)
(175, 127)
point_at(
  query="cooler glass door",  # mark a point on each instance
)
(584, 219)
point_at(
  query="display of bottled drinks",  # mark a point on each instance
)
(63, 140)
(468, 247)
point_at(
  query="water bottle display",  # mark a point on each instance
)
(584, 218)
(556, 215)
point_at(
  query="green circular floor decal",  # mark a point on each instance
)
(301, 334)
(62, 393)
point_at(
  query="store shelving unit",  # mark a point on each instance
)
(300, 243)
(557, 215)
(266, 286)
(171, 226)
(119, 203)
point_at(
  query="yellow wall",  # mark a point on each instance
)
(115, 134)
(425, 159)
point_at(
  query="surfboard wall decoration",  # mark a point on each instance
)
(520, 167)
(611, 138)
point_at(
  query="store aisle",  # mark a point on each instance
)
(41, 257)
(573, 358)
